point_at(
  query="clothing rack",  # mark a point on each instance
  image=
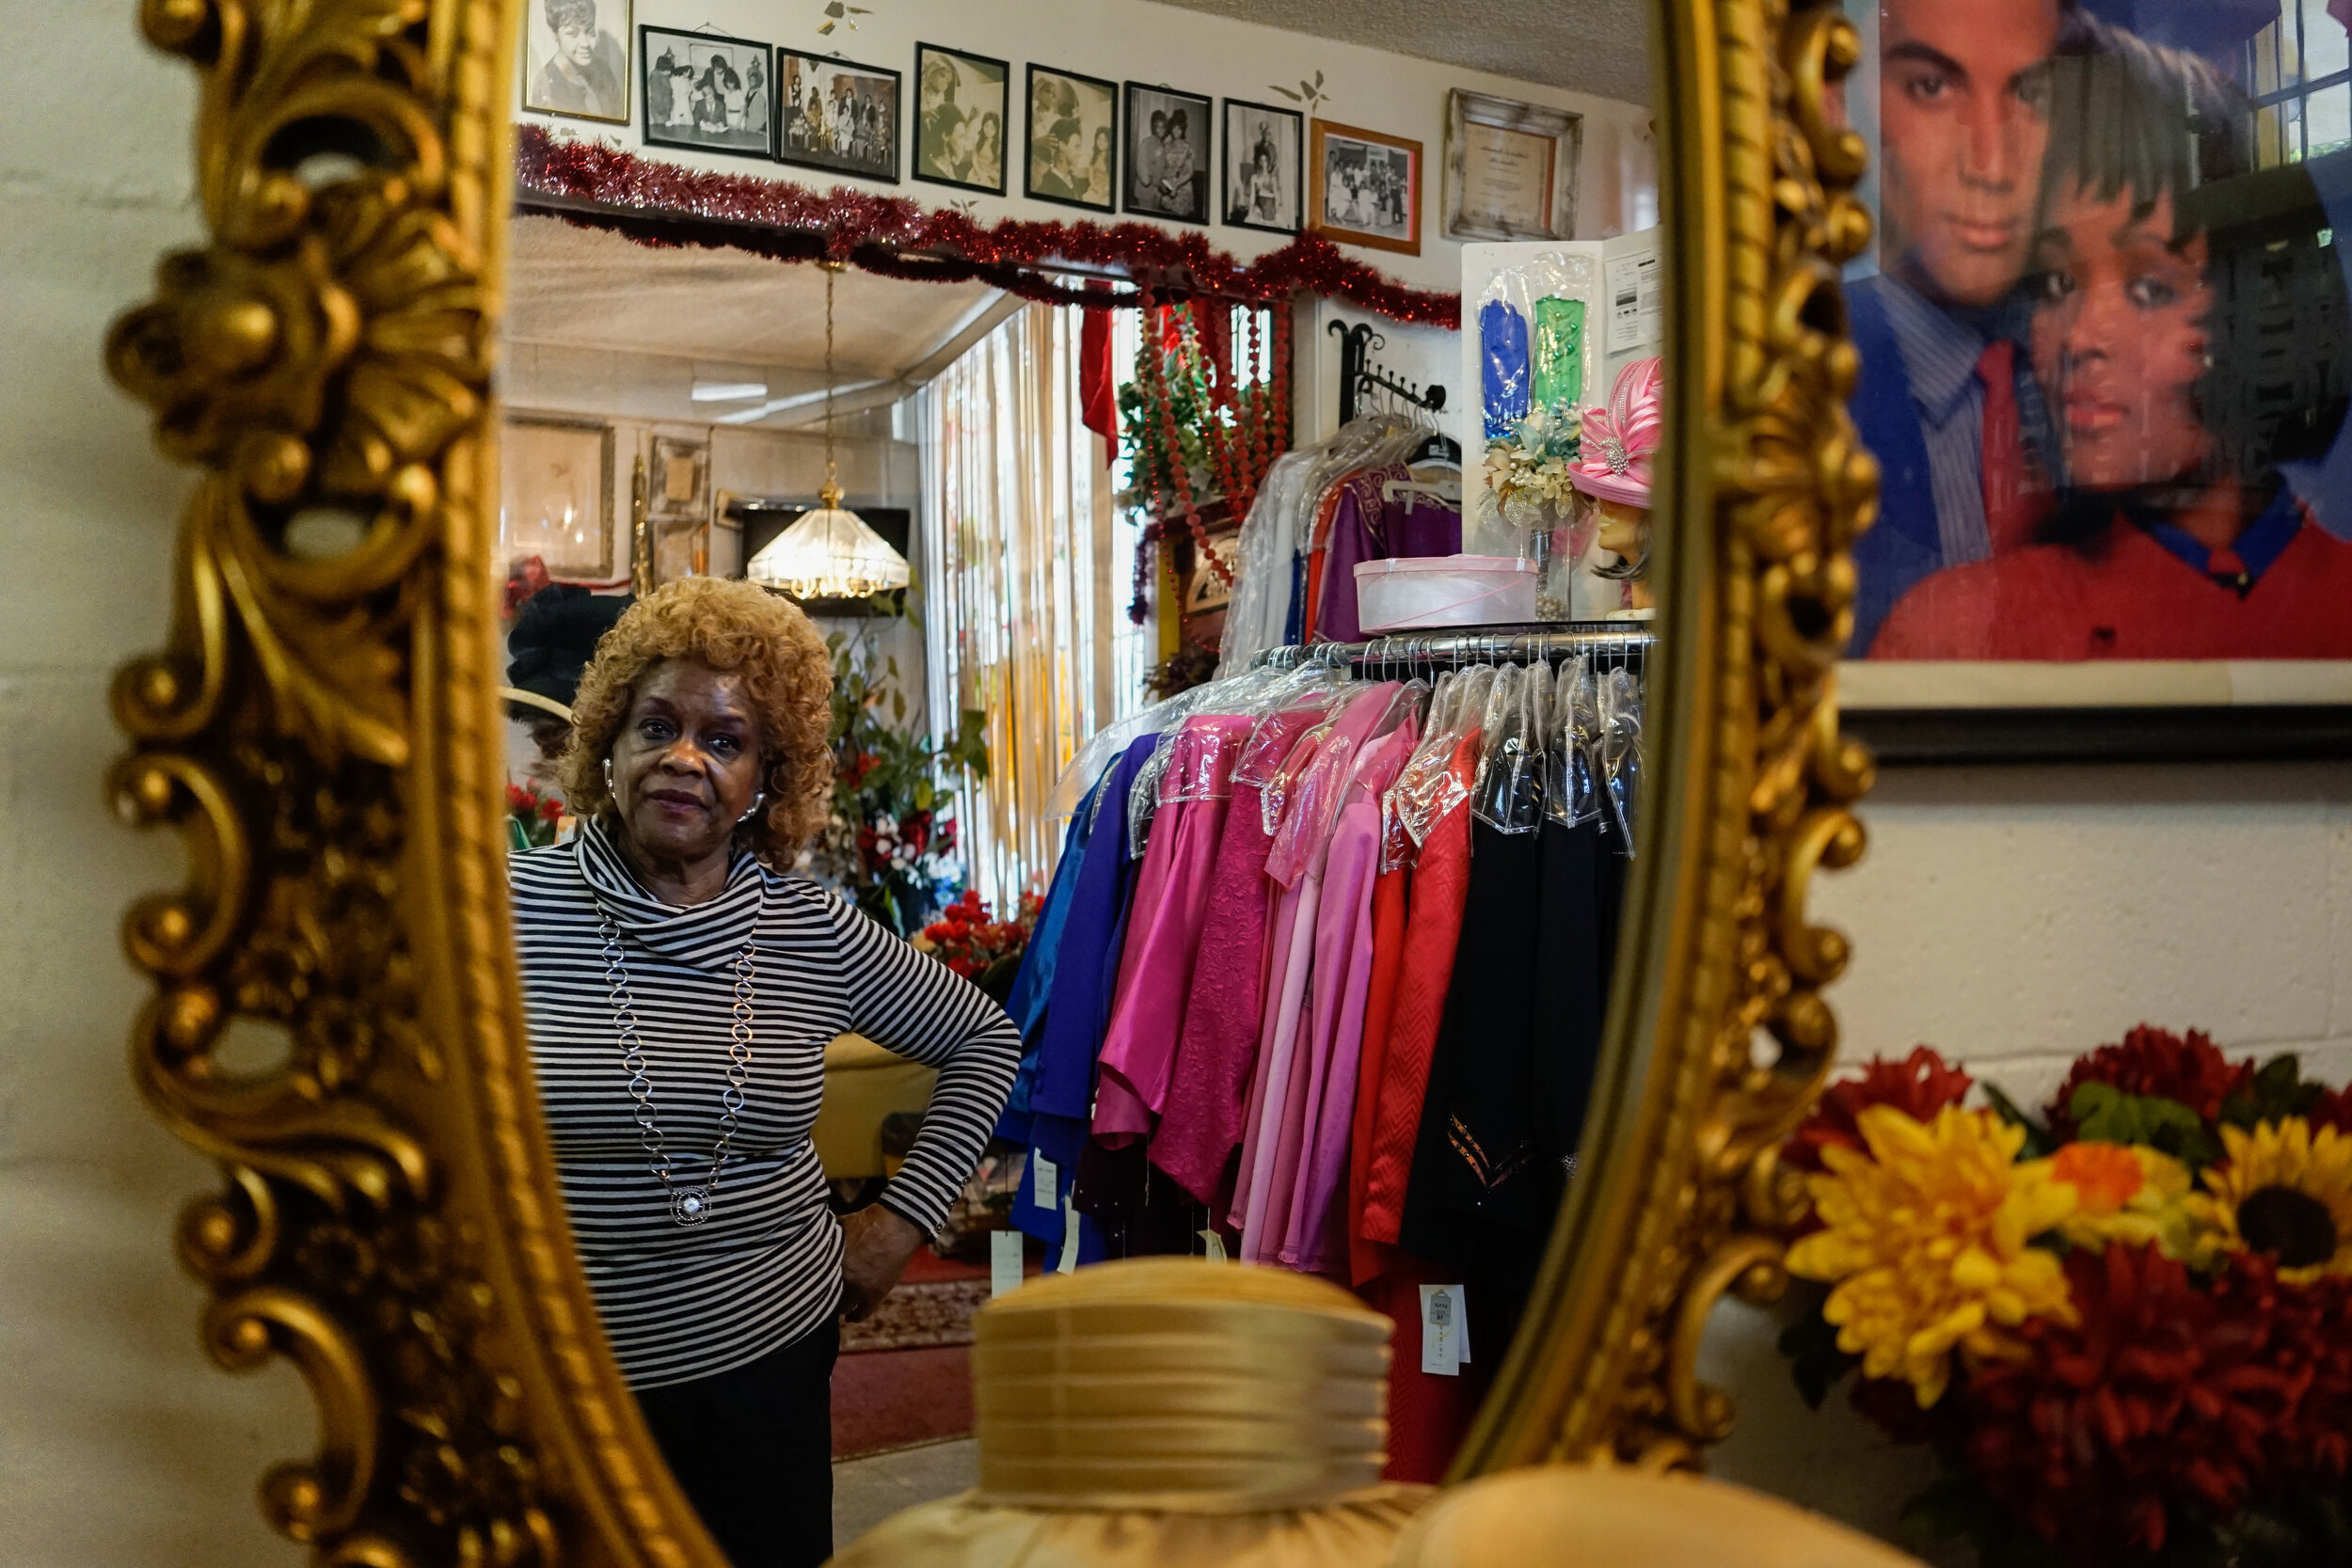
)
(1359, 374)
(1622, 642)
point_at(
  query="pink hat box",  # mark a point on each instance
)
(1418, 593)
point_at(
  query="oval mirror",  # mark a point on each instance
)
(976, 648)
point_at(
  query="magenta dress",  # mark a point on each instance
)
(1315, 1147)
(1295, 864)
(1217, 1051)
(1163, 927)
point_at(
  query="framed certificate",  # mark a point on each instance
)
(1510, 168)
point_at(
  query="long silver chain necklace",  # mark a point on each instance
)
(688, 1205)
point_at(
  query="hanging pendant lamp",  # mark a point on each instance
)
(831, 552)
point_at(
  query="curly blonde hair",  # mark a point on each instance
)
(787, 679)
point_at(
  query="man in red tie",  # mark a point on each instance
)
(1963, 129)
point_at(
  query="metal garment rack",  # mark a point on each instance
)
(1359, 374)
(1623, 643)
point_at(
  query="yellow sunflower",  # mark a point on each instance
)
(1926, 1239)
(2286, 1191)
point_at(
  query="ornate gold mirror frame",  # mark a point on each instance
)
(322, 729)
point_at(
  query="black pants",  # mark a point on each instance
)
(753, 1450)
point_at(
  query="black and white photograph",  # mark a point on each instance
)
(1263, 162)
(836, 115)
(576, 58)
(707, 92)
(1367, 187)
(1168, 154)
(960, 118)
(1074, 140)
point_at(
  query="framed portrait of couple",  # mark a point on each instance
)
(2106, 359)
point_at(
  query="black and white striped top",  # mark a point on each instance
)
(765, 1269)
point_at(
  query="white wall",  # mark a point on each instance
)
(120, 1445)
(1190, 50)
(2016, 917)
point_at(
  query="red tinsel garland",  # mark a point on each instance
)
(662, 204)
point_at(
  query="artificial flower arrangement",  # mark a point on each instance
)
(1528, 486)
(890, 842)
(984, 951)
(2126, 1327)
(532, 818)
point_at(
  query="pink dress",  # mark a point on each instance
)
(1316, 1232)
(1163, 927)
(1295, 864)
(1217, 1053)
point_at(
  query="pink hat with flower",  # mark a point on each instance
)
(1618, 442)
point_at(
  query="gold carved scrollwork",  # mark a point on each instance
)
(1722, 1039)
(324, 359)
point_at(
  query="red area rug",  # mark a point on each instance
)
(905, 1374)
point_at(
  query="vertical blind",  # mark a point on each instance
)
(1025, 576)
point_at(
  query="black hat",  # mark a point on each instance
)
(555, 635)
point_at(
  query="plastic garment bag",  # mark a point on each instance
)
(1621, 750)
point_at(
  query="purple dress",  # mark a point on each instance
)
(1365, 527)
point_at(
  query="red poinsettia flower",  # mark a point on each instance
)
(2156, 1062)
(1919, 1085)
(517, 798)
(550, 810)
(2166, 1396)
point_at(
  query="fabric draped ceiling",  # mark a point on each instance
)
(1025, 572)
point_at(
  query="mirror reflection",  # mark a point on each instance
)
(1037, 746)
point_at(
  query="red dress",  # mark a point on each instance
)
(1434, 926)
(2125, 596)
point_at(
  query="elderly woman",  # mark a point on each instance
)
(681, 991)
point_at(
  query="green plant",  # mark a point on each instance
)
(891, 841)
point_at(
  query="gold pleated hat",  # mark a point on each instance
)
(1177, 1384)
(1168, 1413)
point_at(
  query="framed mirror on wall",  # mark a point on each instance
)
(690, 1113)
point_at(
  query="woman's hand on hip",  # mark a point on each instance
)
(876, 1243)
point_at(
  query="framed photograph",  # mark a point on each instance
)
(835, 115)
(2107, 398)
(960, 120)
(1168, 154)
(1264, 166)
(576, 58)
(556, 496)
(1074, 140)
(1510, 168)
(707, 92)
(677, 480)
(1364, 188)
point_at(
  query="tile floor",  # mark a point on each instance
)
(867, 1491)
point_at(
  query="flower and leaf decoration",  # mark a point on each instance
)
(984, 950)
(2124, 1325)
(890, 842)
(1528, 476)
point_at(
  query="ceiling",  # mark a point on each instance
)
(586, 288)
(1595, 46)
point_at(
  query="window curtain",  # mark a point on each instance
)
(1026, 570)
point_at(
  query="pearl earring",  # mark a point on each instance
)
(607, 775)
(757, 801)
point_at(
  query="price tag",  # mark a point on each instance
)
(1069, 1264)
(1004, 1261)
(1216, 1244)
(1046, 1189)
(1444, 1337)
